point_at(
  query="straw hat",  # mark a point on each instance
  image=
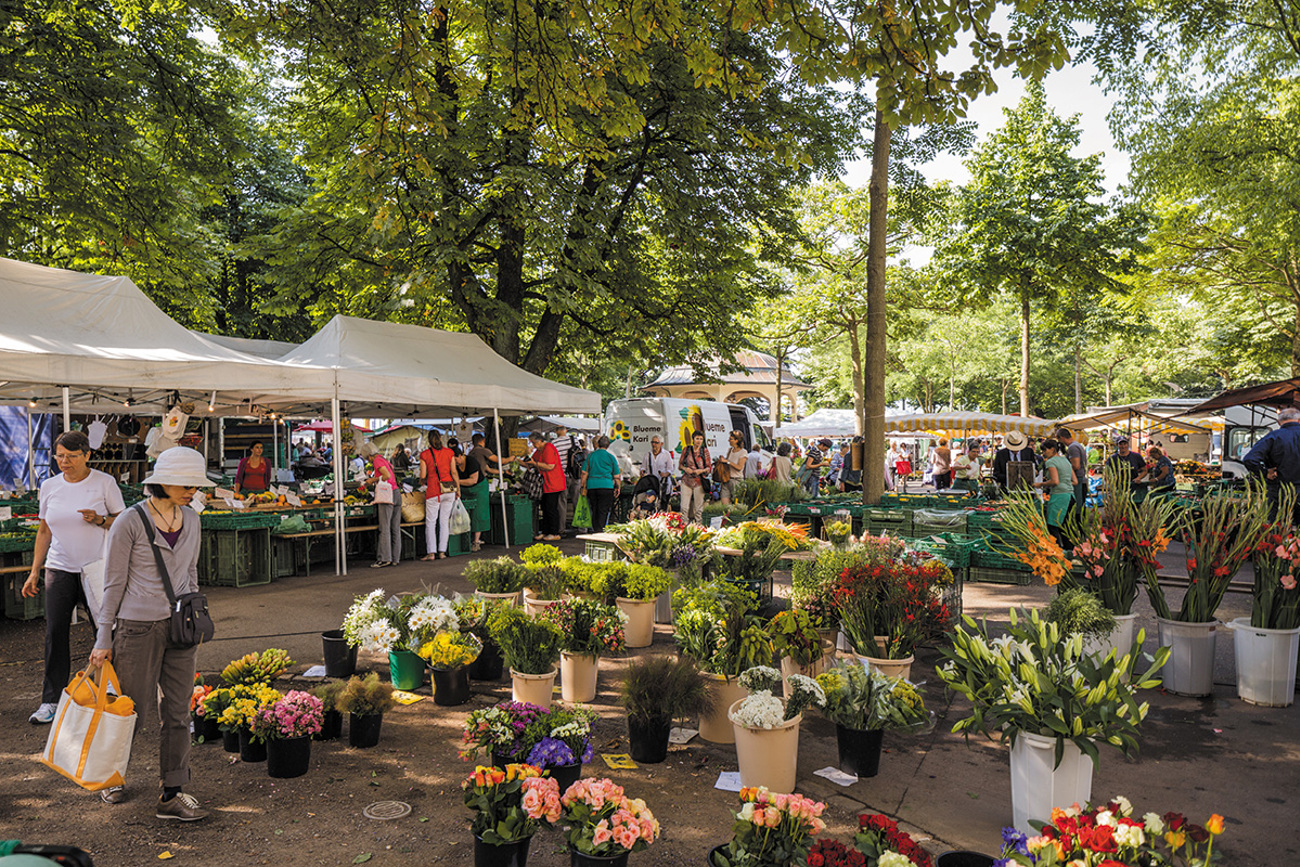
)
(180, 466)
(1014, 440)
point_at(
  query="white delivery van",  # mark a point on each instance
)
(631, 423)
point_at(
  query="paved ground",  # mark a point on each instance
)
(1198, 757)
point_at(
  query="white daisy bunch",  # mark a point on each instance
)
(380, 637)
(428, 617)
(365, 611)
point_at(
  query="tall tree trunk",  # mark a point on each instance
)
(1295, 343)
(855, 356)
(1006, 384)
(1078, 380)
(1024, 353)
(952, 392)
(873, 416)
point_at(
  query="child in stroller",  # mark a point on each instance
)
(646, 498)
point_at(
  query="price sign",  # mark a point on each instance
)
(293, 499)
(223, 494)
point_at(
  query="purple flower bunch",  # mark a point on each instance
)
(298, 714)
(551, 753)
(683, 555)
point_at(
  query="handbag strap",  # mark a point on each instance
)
(157, 555)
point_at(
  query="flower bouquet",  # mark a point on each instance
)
(296, 714)
(1024, 519)
(1108, 834)
(838, 532)
(829, 852)
(591, 629)
(1037, 688)
(887, 609)
(771, 830)
(716, 624)
(449, 650)
(498, 730)
(253, 668)
(602, 821)
(511, 803)
(1276, 596)
(884, 845)
(246, 700)
(767, 730)
(860, 699)
(512, 731)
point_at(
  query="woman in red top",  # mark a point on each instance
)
(695, 466)
(254, 473)
(441, 489)
(546, 460)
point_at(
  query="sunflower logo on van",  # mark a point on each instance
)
(692, 421)
(619, 431)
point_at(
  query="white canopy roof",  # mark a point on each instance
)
(105, 340)
(382, 367)
(824, 422)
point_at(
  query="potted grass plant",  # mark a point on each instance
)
(531, 648)
(365, 700)
(1036, 688)
(655, 692)
(590, 630)
(864, 704)
(767, 729)
(716, 624)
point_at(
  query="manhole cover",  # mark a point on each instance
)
(387, 810)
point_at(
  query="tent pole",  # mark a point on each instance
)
(31, 452)
(275, 445)
(340, 544)
(501, 478)
(67, 410)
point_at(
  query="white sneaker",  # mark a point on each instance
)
(44, 714)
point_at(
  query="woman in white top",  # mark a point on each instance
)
(77, 508)
(735, 461)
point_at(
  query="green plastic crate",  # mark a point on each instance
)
(235, 558)
(980, 575)
(12, 544)
(18, 606)
(240, 520)
(521, 517)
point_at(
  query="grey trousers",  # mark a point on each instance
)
(390, 532)
(154, 672)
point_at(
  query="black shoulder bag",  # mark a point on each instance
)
(191, 625)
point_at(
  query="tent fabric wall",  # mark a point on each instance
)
(13, 447)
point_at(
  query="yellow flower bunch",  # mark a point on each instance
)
(248, 698)
(450, 649)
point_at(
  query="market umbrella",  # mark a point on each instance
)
(969, 424)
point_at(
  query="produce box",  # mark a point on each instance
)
(990, 559)
(896, 522)
(17, 606)
(17, 541)
(235, 558)
(929, 522)
(239, 520)
(955, 549)
(979, 575)
(521, 517)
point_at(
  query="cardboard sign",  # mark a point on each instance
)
(619, 761)
(237, 504)
(518, 448)
(1020, 474)
(6, 512)
(293, 499)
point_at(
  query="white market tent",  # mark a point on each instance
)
(824, 422)
(91, 343)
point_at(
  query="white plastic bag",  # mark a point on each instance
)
(459, 518)
(384, 493)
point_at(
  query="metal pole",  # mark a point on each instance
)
(275, 445)
(340, 537)
(501, 484)
(67, 410)
(31, 453)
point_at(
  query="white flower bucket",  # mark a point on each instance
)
(1190, 669)
(1266, 663)
(1036, 788)
(1119, 640)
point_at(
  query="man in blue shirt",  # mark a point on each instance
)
(1277, 456)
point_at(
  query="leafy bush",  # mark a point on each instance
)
(1077, 610)
(541, 554)
(795, 635)
(329, 693)
(547, 581)
(716, 624)
(860, 698)
(761, 492)
(501, 575)
(529, 645)
(643, 582)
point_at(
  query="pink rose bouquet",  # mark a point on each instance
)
(603, 821)
(771, 830)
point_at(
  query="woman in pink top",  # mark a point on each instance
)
(441, 488)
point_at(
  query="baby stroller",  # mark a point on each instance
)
(648, 497)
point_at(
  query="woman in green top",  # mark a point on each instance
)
(600, 484)
(1058, 476)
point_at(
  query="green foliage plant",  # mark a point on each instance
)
(795, 635)
(547, 581)
(716, 623)
(758, 493)
(664, 686)
(1077, 610)
(501, 575)
(861, 698)
(329, 693)
(540, 554)
(529, 645)
(643, 582)
(1036, 678)
(366, 696)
